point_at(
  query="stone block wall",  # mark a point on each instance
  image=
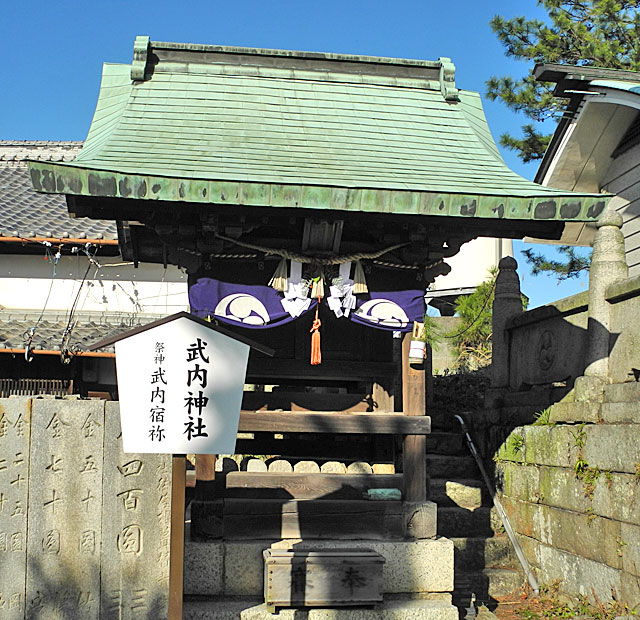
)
(570, 484)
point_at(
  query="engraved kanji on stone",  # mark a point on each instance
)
(51, 542)
(18, 460)
(18, 481)
(4, 538)
(139, 601)
(115, 600)
(20, 426)
(85, 599)
(86, 500)
(37, 602)
(18, 510)
(3, 499)
(52, 502)
(4, 424)
(56, 425)
(88, 542)
(3, 601)
(353, 578)
(130, 499)
(89, 466)
(3, 464)
(130, 539)
(17, 541)
(89, 426)
(15, 601)
(55, 465)
(131, 468)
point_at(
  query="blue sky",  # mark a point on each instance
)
(54, 51)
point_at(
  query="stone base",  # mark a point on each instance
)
(389, 610)
(237, 568)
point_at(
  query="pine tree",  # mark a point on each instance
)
(601, 33)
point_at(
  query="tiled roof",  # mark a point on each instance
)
(90, 328)
(26, 213)
(239, 126)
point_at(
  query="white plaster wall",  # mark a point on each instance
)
(472, 264)
(26, 281)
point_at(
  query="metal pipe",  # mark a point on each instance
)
(501, 512)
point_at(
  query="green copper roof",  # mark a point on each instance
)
(240, 126)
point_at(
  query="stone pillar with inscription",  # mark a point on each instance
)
(15, 431)
(65, 499)
(136, 532)
(84, 528)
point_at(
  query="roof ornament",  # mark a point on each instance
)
(447, 79)
(140, 56)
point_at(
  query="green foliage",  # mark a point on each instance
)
(472, 338)
(543, 418)
(601, 33)
(571, 267)
(432, 332)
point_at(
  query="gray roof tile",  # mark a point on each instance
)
(90, 328)
(26, 213)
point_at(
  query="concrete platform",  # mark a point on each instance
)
(409, 609)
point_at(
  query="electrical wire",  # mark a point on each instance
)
(30, 333)
(65, 356)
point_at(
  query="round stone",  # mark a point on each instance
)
(609, 218)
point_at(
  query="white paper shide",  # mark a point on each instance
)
(180, 387)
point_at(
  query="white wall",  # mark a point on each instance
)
(25, 282)
(471, 265)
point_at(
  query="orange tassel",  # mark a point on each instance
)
(316, 354)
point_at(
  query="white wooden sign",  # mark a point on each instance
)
(180, 387)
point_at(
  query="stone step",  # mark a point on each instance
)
(622, 392)
(455, 522)
(486, 584)
(478, 553)
(451, 467)
(252, 609)
(466, 493)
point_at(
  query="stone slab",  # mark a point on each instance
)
(15, 432)
(389, 610)
(413, 566)
(64, 512)
(136, 534)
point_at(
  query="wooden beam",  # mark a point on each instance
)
(333, 422)
(264, 485)
(332, 519)
(334, 371)
(414, 446)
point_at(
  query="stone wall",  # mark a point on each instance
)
(84, 528)
(570, 484)
(562, 427)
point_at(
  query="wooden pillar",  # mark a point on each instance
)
(205, 466)
(414, 446)
(176, 553)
